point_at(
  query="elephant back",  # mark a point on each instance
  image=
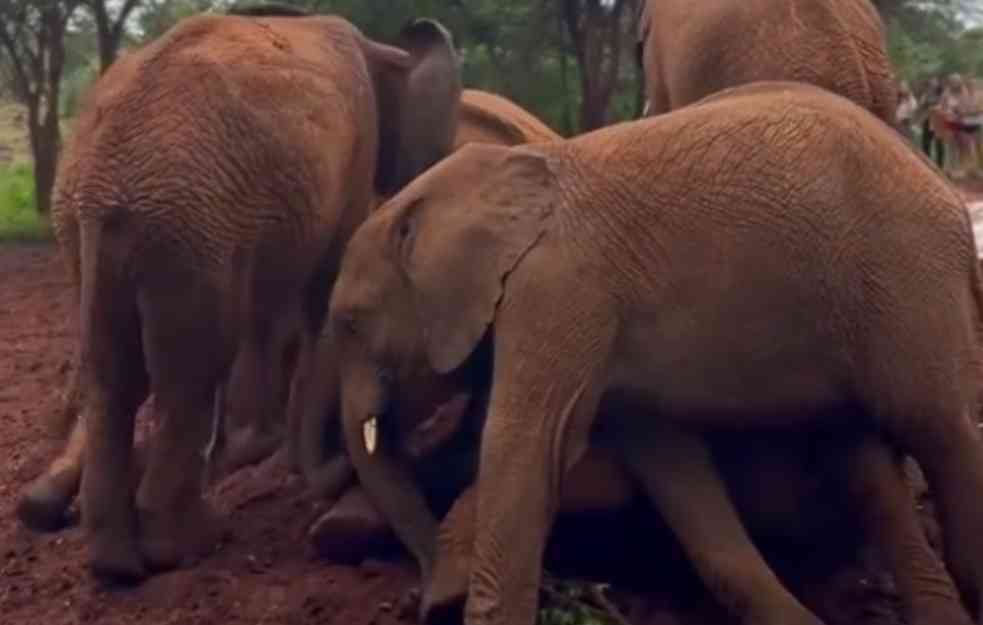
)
(838, 45)
(489, 118)
(212, 139)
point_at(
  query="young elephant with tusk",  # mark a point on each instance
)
(728, 265)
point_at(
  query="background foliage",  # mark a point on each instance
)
(535, 52)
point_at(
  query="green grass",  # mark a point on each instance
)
(19, 220)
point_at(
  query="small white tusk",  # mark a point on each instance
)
(369, 434)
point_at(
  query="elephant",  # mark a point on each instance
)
(196, 163)
(482, 118)
(839, 45)
(725, 266)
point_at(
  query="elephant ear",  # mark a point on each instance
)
(418, 99)
(457, 249)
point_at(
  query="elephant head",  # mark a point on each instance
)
(417, 90)
(409, 338)
(483, 118)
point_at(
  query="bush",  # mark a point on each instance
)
(19, 219)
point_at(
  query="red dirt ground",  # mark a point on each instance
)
(265, 571)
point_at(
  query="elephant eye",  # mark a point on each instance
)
(404, 229)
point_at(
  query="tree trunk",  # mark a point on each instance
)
(107, 49)
(598, 37)
(43, 111)
(45, 166)
(109, 34)
(37, 56)
(108, 44)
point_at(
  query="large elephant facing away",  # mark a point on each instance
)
(690, 51)
(212, 182)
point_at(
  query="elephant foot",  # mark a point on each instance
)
(351, 530)
(44, 504)
(116, 559)
(171, 538)
(445, 594)
(329, 480)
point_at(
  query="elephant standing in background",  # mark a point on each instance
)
(212, 182)
(606, 273)
(691, 51)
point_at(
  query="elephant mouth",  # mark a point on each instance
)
(446, 420)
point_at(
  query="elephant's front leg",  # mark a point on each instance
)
(543, 398)
(678, 473)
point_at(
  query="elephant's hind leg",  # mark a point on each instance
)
(43, 506)
(44, 503)
(677, 472)
(115, 383)
(922, 388)
(875, 479)
(188, 356)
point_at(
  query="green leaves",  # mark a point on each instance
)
(572, 602)
(929, 38)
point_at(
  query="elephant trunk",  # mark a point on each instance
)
(388, 481)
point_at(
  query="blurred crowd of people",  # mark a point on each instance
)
(945, 121)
